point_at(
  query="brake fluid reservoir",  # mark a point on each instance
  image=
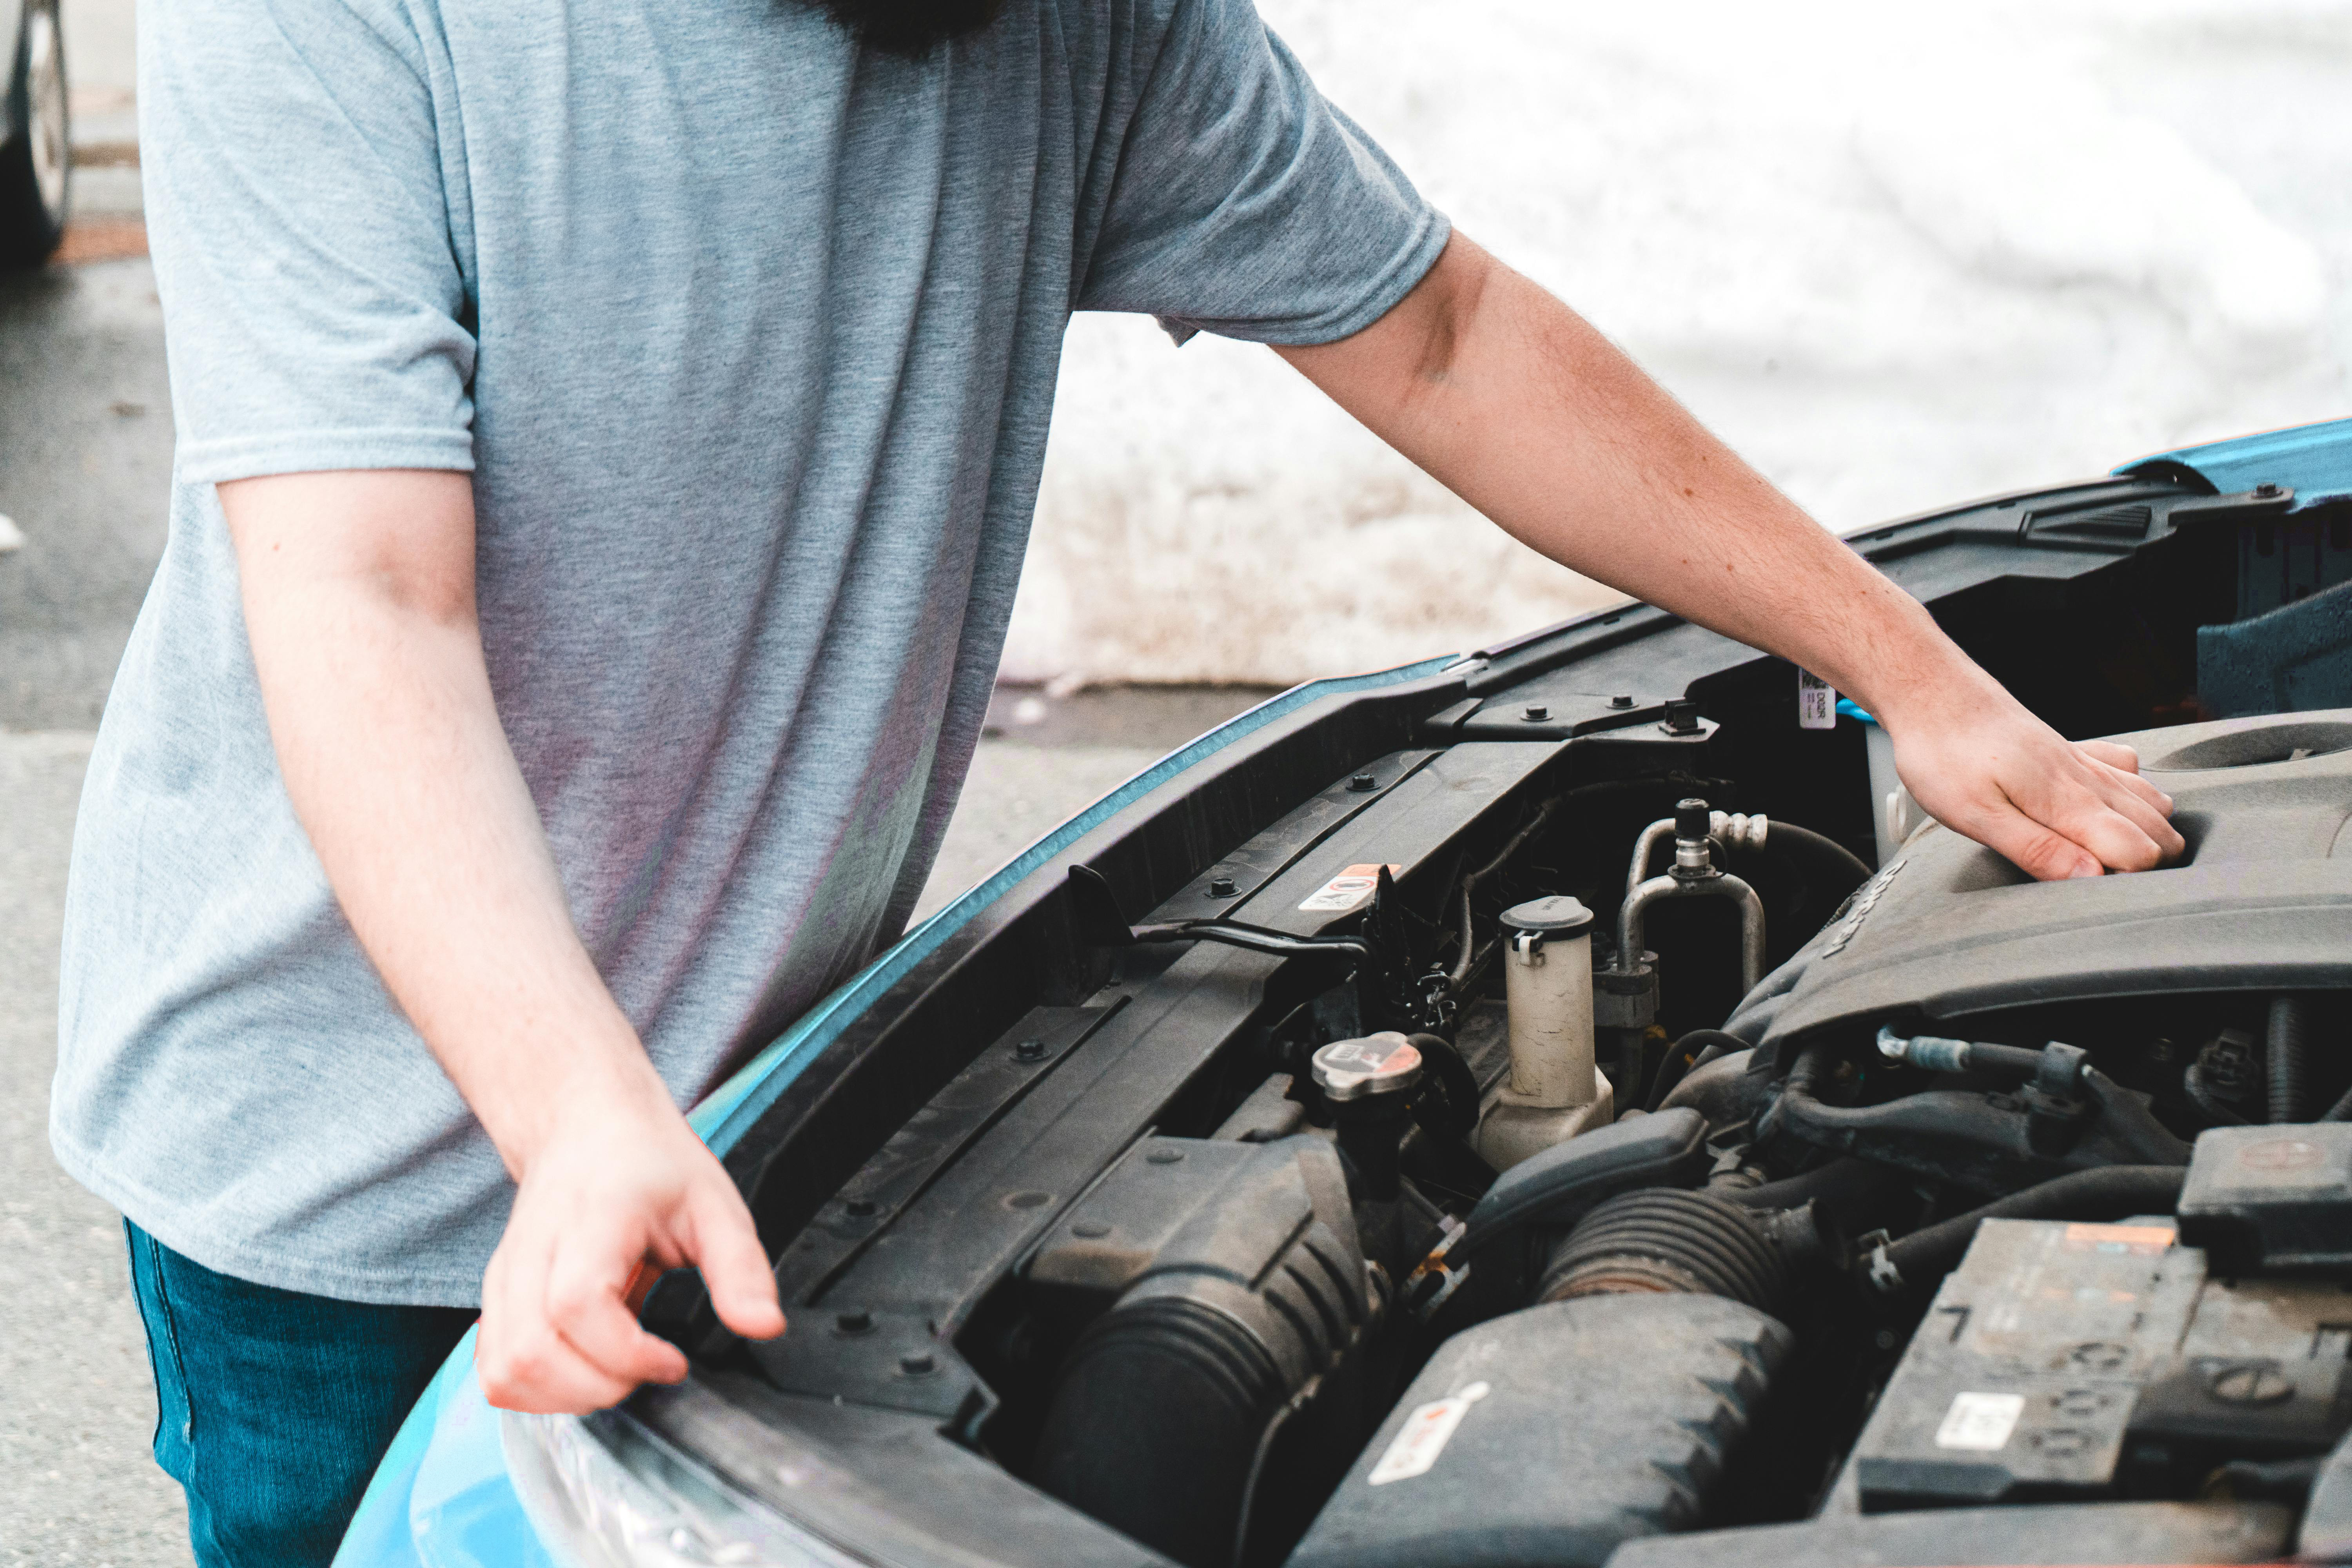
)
(1547, 987)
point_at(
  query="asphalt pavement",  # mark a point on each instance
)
(85, 463)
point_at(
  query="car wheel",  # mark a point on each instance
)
(33, 159)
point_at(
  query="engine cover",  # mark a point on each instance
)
(2260, 901)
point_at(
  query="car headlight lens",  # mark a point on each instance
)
(605, 1493)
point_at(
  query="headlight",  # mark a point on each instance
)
(605, 1493)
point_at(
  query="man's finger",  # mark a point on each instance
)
(2127, 782)
(2041, 852)
(735, 1268)
(2121, 758)
(584, 1305)
(521, 1362)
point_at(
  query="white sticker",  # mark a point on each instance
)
(1816, 702)
(1981, 1421)
(1351, 888)
(1424, 1435)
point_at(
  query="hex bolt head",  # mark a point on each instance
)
(2266, 489)
(1535, 713)
(1223, 887)
(1363, 784)
(917, 1363)
(1621, 700)
(854, 1322)
(860, 1209)
(1029, 1051)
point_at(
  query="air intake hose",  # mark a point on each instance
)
(1668, 1241)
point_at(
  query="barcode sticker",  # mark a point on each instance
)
(1816, 702)
(1980, 1422)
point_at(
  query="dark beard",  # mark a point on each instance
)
(909, 28)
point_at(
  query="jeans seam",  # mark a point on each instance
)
(179, 1362)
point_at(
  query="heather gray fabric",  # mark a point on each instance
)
(749, 343)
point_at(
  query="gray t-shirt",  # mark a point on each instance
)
(749, 340)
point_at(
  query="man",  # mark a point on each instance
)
(607, 436)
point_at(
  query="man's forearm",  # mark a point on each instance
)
(1523, 410)
(380, 708)
(1528, 414)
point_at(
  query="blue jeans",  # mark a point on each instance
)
(272, 1407)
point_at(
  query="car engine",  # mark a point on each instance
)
(2022, 1206)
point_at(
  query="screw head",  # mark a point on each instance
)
(854, 1322)
(2266, 489)
(1621, 701)
(1363, 784)
(1223, 887)
(1029, 1051)
(917, 1363)
(1535, 713)
(860, 1209)
(1164, 1156)
(1090, 1229)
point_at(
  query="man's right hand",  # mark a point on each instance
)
(618, 1180)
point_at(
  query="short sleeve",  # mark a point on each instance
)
(313, 302)
(1245, 205)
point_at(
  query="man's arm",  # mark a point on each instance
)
(359, 601)
(1519, 407)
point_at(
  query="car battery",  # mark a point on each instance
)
(2067, 1361)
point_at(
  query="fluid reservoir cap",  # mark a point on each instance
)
(1559, 915)
(1385, 1063)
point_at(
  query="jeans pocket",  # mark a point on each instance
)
(174, 1415)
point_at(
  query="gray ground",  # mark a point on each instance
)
(85, 457)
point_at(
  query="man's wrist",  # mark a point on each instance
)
(597, 1078)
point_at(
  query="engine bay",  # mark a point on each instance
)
(1589, 1127)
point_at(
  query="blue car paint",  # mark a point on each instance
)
(2315, 461)
(442, 1498)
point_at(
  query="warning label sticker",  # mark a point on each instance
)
(1980, 1422)
(1351, 888)
(1424, 1435)
(1816, 702)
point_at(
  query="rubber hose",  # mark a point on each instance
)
(1665, 1240)
(2284, 1054)
(1836, 863)
(1840, 1179)
(1685, 1056)
(2110, 1191)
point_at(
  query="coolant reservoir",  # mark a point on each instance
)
(1555, 1090)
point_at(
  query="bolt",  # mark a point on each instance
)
(1535, 713)
(854, 1322)
(1363, 784)
(917, 1364)
(1029, 1051)
(1091, 1229)
(1223, 887)
(1164, 1156)
(2266, 489)
(1621, 701)
(859, 1209)
(1682, 716)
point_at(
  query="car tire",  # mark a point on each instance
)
(34, 164)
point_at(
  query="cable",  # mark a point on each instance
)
(1685, 1056)
(2284, 1056)
(2109, 1192)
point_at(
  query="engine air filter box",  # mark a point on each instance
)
(1554, 1435)
(2272, 1199)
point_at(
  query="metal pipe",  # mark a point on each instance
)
(1638, 872)
(1719, 885)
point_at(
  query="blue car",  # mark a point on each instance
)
(1562, 1105)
